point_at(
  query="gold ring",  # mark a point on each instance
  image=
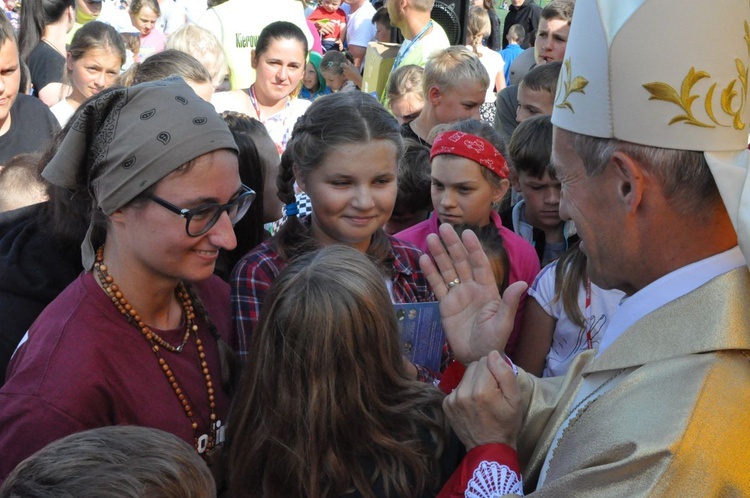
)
(454, 283)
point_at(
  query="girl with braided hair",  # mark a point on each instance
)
(477, 29)
(344, 155)
(141, 336)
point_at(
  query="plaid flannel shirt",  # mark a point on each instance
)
(253, 275)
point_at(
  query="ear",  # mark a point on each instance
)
(117, 217)
(434, 95)
(499, 192)
(253, 61)
(630, 180)
(69, 61)
(513, 179)
(298, 178)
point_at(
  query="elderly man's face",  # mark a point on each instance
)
(591, 202)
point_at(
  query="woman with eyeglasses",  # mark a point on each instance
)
(140, 337)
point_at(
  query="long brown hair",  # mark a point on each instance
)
(340, 119)
(570, 274)
(325, 406)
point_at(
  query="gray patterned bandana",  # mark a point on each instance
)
(127, 139)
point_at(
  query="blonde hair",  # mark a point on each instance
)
(453, 67)
(422, 5)
(204, 46)
(478, 28)
(406, 80)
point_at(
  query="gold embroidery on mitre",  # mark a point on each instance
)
(571, 85)
(685, 99)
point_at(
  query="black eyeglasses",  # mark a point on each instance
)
(199, 220)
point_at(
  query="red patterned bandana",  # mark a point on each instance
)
(458, 143)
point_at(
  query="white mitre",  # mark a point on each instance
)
(665, 73)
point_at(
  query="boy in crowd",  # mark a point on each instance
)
(515, 36)
(536, 92)
(382, 22)
(26, 123)
(454, 84)
(330, 21)
(552, 38)
(536, 217)
(117, 462)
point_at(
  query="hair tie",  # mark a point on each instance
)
(472, 147)
(291, 209)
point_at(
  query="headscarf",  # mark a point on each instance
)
(125, 140)
(473, 147)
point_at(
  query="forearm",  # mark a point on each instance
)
(358, 53)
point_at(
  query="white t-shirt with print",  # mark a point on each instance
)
(568, 339)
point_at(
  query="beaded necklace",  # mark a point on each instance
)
(156, 343)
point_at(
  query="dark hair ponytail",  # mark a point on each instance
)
(35, 16)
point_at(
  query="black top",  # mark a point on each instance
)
(407, 132)
(46, 65)
(527, 15)
(35, 268)
(32, 128)
(494, 41)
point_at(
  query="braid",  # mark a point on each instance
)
(285, 178)
(293, 238)
(380, 250)
(227, 357)
(475, 43)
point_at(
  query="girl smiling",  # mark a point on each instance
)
(344, 154)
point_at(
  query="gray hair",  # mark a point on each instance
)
(683, 174)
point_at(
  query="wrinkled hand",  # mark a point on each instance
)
(475, 319)
(486, 406)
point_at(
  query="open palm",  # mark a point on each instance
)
(476, 320)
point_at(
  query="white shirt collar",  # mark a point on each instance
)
(668, 288)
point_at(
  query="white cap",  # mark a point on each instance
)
(665, 74)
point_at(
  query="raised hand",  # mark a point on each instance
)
(475, 318)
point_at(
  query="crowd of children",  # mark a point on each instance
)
(346, 191)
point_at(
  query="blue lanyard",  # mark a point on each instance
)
(401, 55)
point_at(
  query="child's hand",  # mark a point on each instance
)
(325, 28)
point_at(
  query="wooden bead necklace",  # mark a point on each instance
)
(156, 342)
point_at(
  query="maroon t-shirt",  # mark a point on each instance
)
(84, 366)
